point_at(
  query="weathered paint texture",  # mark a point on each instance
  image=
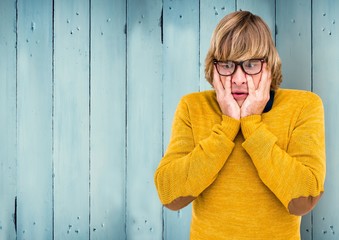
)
(88, 89)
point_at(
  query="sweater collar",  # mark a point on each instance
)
(269, 104)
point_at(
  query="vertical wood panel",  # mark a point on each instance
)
(211, 12)
(71, 119)
(293, 42)
(34, 98)
(108, 74)
(144, 118)
(181, 76)
(7, 119)
(325, 83)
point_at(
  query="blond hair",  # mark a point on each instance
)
(240, 36)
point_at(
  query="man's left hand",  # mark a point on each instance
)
(257, 98)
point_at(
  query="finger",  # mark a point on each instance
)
(265, 81)
(217, 84)
(215, 72)
(228, 85)
(269, 79)
(250, 84)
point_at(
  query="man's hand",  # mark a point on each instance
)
(227, 103)
(257, 98)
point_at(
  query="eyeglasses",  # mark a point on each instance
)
(250, 66)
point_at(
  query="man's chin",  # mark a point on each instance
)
(240, 102)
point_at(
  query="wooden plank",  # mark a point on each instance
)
(71, 119)
(144, 118)
(181, 76)
(325, 83)
(34, 101)
(108, 75)
(211, 12)
(294, 42)
(7, 119)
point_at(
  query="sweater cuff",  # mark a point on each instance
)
(230, 127)
(249, 124)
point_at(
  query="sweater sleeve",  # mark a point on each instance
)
(188, 168)
(300, 170)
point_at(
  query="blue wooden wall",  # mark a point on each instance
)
(88, 89)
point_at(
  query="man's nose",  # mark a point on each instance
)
(239, 76)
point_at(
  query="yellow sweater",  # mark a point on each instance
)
(244, 172)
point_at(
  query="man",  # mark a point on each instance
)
(251, 156)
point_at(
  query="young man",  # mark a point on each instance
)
(251, 156)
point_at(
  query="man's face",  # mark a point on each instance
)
(239, 85)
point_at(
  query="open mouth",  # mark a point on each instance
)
(239, 95)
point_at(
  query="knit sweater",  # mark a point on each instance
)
(244, 172)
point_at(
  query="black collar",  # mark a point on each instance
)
(269, 104)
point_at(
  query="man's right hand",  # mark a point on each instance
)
(227, 103)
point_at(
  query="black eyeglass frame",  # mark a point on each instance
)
(215, 63)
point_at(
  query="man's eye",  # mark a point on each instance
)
(251, 64)
(229, 65)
